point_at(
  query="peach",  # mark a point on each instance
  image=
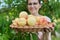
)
(23, 14)
(15, 21)
(37, 19)
(31, 21)
(22, 22)
(43, 21)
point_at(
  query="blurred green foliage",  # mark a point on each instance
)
(11, 10)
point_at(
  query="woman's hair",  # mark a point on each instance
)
(38, 1)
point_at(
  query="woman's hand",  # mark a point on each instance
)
(49, 28)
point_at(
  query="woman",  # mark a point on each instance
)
(33, 7)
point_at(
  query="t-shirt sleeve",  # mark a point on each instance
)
(48, 19)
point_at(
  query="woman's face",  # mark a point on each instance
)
(33, 6)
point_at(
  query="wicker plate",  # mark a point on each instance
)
(35, 28)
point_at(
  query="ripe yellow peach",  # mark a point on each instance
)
(22, 22)
(15, 22)
(16, 19)
(37, 19)
(23, 14)
(31, 21)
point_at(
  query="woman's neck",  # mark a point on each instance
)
(35, 14)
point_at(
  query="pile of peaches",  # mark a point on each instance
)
(25, 20)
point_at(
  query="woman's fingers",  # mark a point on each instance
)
(48, 29)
